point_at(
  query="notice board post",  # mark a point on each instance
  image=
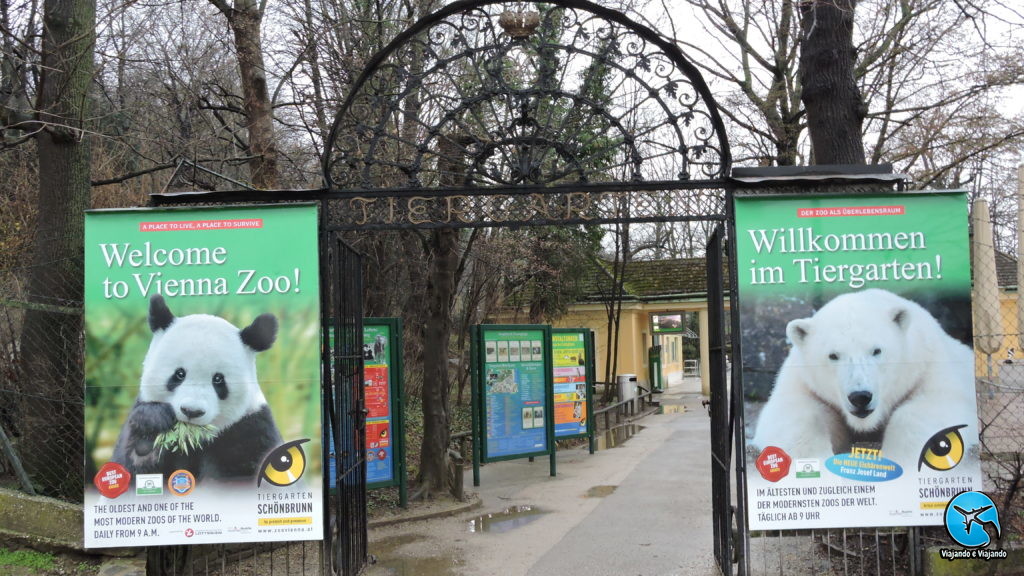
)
(513, 402)
(573, 381)
(385, 423)
(384, 389)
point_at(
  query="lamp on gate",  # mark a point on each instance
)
(519, 24)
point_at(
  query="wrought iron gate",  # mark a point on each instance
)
(721, 455)
(344, 411)
(492, 113)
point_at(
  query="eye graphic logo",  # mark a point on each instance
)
(284, 465)
(968, 515)
(944, 450)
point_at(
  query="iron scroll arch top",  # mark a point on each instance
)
(526, 95)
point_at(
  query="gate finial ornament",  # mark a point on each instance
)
(519, 24)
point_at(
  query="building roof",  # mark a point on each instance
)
(647, 280)
(1006, 270)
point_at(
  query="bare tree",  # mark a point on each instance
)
(245, 18)
(831, 97)
(51, 346)
(917, 63)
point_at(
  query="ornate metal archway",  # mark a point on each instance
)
(505, 113)
(490, 113)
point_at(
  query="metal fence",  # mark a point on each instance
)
(41, 400)
(42, 428)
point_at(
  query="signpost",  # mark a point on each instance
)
(383, 378)
(573, 370)
(513, 401)
(202, 402)
(858, 378)
(385, 430)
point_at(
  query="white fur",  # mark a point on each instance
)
(920, 380)
(202, 345)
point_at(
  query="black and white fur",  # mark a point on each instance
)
(201, 369)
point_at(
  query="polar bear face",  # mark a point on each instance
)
(203, 366)
(855, 352)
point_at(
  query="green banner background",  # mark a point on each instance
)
(236, 263)
(790, 244)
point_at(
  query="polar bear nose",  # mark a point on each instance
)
(860, 400)
(192, 413)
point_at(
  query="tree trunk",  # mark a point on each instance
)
(245, 20)
(440, 291)
(442, 279)
(51, 343)
(835, 108)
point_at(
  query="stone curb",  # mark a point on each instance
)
(454, 509)
(46, 524)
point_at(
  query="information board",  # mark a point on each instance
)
(572, 381)
(382, 351)
(202, 411)
(385, 426)
(858, 375)
(514, 381)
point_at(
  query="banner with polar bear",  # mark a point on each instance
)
(202, 400)
(858, 376)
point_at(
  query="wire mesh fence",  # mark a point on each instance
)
(41, 395)
(42, 430)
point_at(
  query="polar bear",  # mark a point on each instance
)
(870, 365)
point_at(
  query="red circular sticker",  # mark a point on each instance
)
(773, 463)
(112, 480)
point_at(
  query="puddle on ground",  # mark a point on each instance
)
(599, 491)
(671, 409)
(441, 565)
(617, 436)
(391, 563)
(508, 519)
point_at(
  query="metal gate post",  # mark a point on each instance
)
(344, 393)
(721, 456)
(736, 420)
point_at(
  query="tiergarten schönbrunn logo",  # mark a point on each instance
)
(972, 521)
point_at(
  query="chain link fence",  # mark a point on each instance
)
(42, 430)
(1000, 368)
(41, 380)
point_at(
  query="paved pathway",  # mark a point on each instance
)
(643, 508)
(658, 521)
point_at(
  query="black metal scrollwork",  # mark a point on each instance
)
(524, 99)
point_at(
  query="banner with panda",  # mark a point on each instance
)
(858, 372)
(202, 399)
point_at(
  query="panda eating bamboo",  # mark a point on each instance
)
(200, 406)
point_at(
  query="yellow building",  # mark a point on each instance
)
(673, 292)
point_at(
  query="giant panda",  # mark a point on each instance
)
(201, 369)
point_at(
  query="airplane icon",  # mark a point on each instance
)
(971, 517)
